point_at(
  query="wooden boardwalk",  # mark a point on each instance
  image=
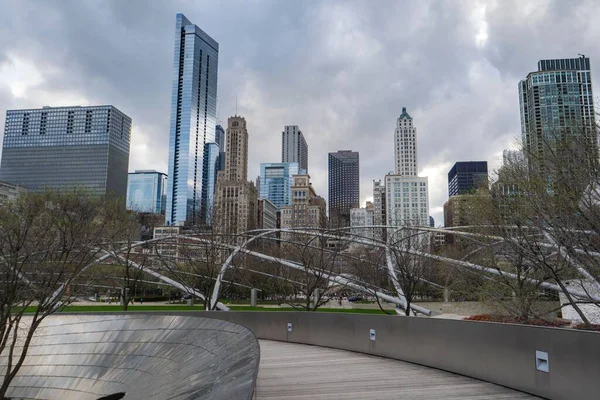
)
(296, 371)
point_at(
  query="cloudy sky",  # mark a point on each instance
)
(341, 70)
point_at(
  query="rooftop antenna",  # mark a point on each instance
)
(236, 104)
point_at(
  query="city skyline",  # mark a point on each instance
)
(458, 119)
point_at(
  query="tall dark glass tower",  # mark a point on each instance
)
(344, 187)
(466, 176)
(193, 120)
(220, 139)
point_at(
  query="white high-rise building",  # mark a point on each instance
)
(360, 218)
(406, 145)
(407, 194)
(294, 147)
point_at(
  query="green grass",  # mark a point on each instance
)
(183, 307)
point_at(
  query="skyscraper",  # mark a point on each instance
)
(193, 119)
(466, 176)
(147, 191)
(235, 203)
(220, 139)
(557, 100)
(379, 209)
(344, 186)
(407, 200)
(276, 181)
(406, 145)
(294, 148)
(66, 147)
(209, 182)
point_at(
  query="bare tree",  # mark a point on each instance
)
(47, 240)
(410, 268)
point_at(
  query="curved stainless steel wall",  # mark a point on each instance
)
(145, 356)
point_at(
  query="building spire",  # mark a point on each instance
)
(405, 114)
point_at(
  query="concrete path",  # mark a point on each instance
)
(295, 371)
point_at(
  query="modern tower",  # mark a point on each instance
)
(276, 181)
(147, 191)
(294, 148)
(193, 120)
(466, 176)
(220, 139)
(557, 100)
(406, 145)
(66, 147)
(407, 200)
(344, 187)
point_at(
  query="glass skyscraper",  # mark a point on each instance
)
(557, 100)
(276, 181)
(193, 120)
(220, 139)
(67, 147)
(344, 186)
(147, 191)
(466, 176)
(209, 181)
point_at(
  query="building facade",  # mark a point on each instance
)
(276, 181)
(193, 120)
(466, 177)
(267, 214)
(209, 182)
(220, 140)
(294, 148)
(557, 100)
(379, 217)
(406, 193)
(9, 192)
(405, 145)
(236, 200)
(407, 200)
(307, 209)
(67, 147)
(344, 186)
(147, 191)
(362, 217)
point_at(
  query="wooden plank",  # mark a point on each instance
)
(296, 371)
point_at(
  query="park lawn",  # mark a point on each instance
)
(183, 307)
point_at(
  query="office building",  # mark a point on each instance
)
(431, 222)
(466, 177)
(360, 218)
(9, 192)
(512, 157)
(209, 182)
(236, 200)
(267, 214)
(147, 191)
(193, 120)
(220, 140)
(276, 181)
(344, 187)
(379, 209)
(307, 209)
(407, 194)
(557, 100)
(405, 145)
(294, 148)
(67, 147)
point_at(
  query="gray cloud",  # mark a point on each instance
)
(342, 70)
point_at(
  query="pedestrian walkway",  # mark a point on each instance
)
(295, 371)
